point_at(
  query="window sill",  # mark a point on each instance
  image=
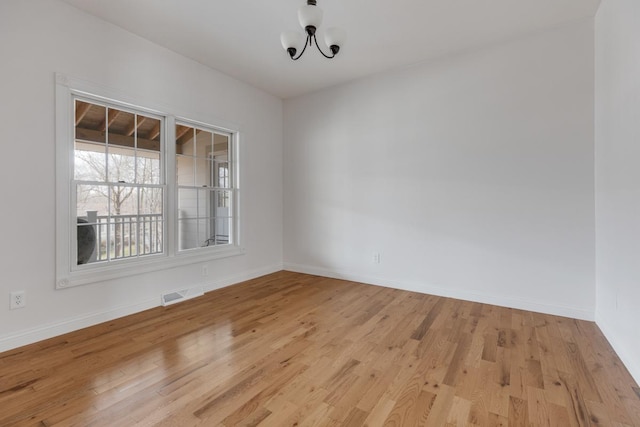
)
(143, 265)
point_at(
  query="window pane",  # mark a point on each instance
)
(123, 236)
(221, 176)
(203, 172)
(184, 140)
(121, 128)
(195, 233)
(151, 201)
(205, 234)
(148, 167)
(150, 234)
(185, 172)
(188, 232)
(148, 133)
(92, 198)
(92, 209)
(89, 162)
(124, 200)
(87, 241)
(206, 203)
(89, 122)
(223, 231)
(221, 146)
(187, 203)
(204, 143)
(121, 164)
(223, 203)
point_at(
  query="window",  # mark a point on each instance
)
(138, 190)
(205, 211)
(118, 182)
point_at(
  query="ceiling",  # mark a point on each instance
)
(241, 38)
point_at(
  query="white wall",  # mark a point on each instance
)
(617, 143)
(472, 176)
(40, 37)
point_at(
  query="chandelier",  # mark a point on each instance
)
(310, 17)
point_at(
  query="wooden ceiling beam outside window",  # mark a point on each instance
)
(81, 110)
(135, 125)
(155, 131)
(186, 137)
(111, 117)
(181, 131)
(184, 134)
(92, 126)
(116, 139)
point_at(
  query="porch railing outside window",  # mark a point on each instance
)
(125, 236)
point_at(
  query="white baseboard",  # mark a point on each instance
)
(30, 336)
(237, 278)
(40, 333)
(522, 304)
(630, 362)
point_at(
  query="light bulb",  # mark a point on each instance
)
(292, 39)
(310, 16)
(335, 36)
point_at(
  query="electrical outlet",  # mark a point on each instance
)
(18, 299)
(205, 271)
(376, 257)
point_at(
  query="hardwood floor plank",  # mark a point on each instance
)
(518, 412)
(441, 406)
(459, 412)
(355, 418)
(496, 420)
(456, 365)
(295, 349)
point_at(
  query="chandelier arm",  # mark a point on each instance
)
(306, 43)
(315, 39)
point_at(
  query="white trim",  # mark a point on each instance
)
(424, 288)
(30, 336)
(630, 362)
(212, 285)
(63, 178)
(124, 268)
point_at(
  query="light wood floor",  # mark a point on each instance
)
(295, 350)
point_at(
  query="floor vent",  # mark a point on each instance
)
(173, 297)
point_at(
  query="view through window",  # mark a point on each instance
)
(205, 215)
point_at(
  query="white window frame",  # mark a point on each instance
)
(68, 275)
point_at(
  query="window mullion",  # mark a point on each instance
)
(170, 192)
